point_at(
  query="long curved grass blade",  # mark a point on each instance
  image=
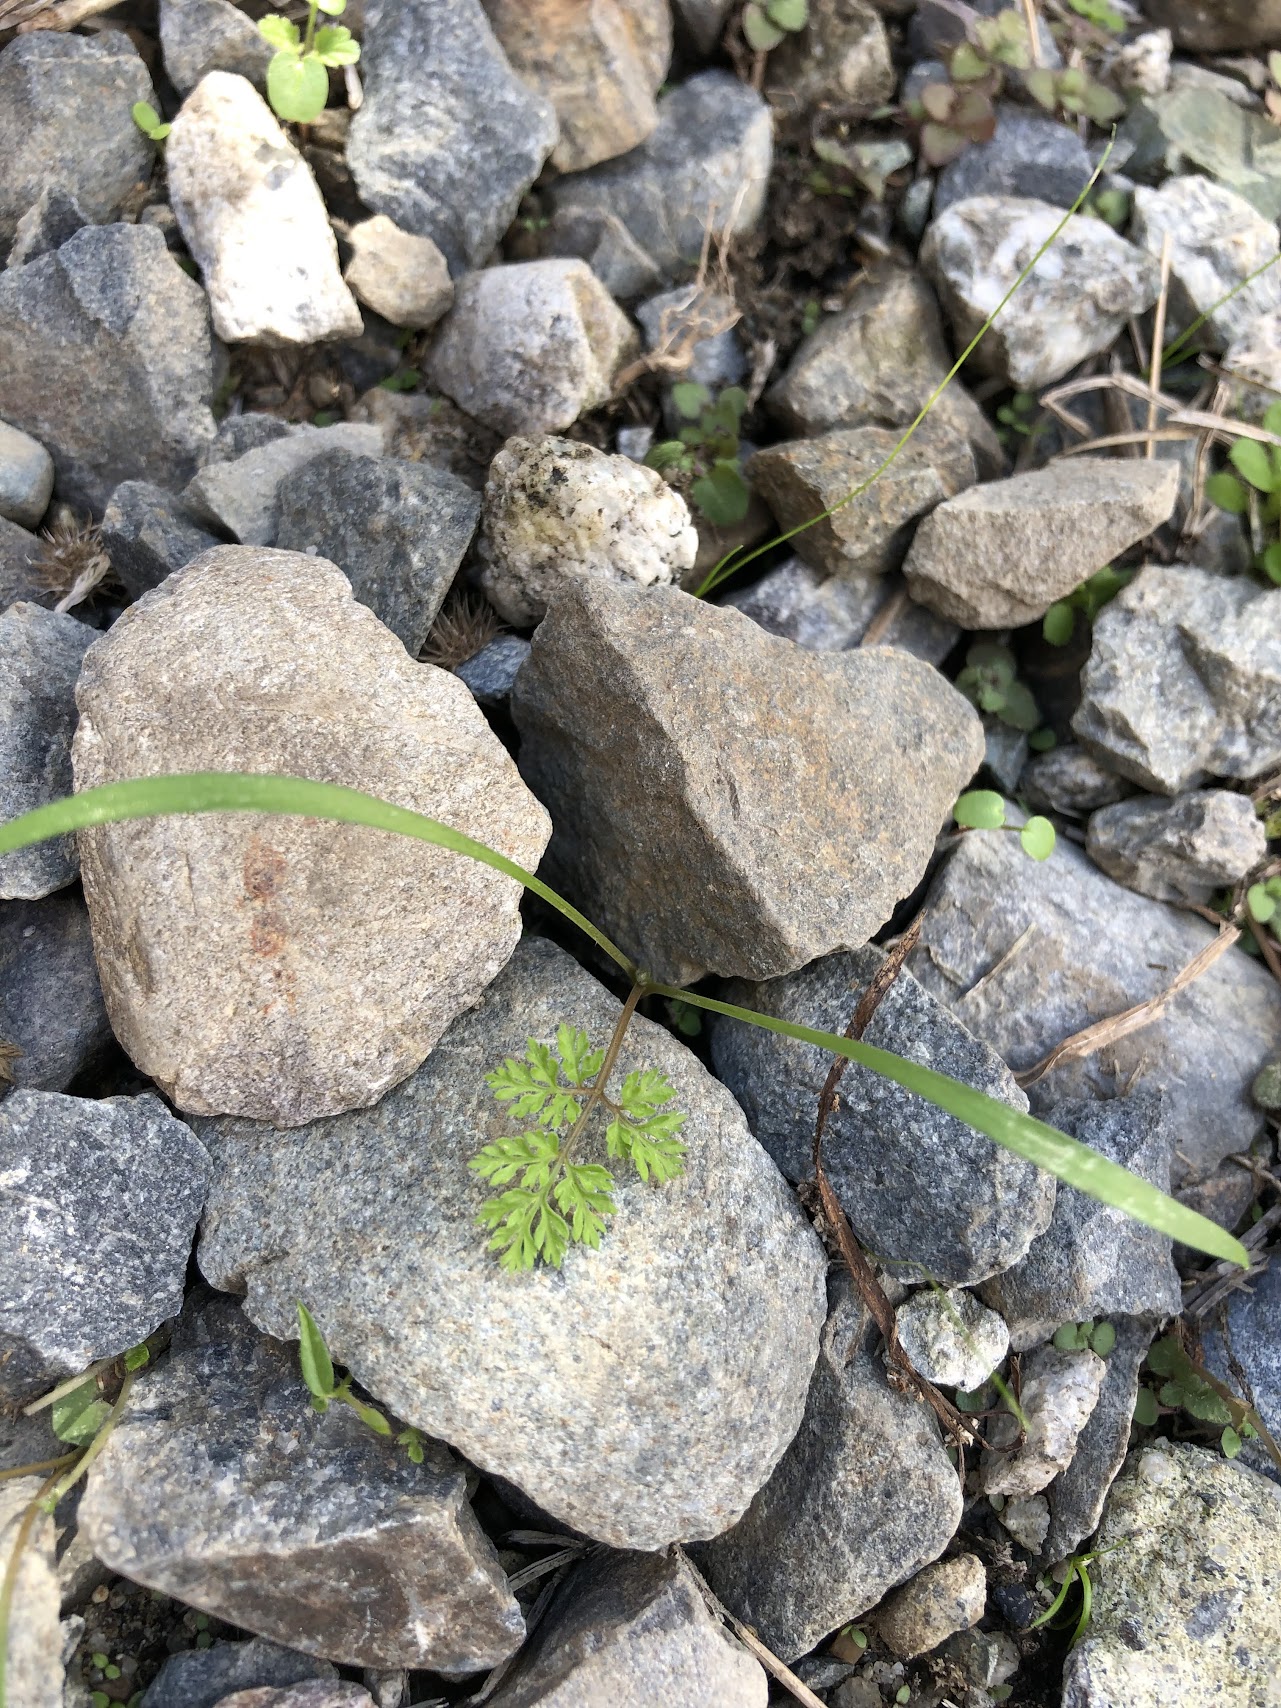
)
(1173, 350)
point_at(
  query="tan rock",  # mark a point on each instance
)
(945, 1598)
(402, 277)
(283, 968)
(842, 58)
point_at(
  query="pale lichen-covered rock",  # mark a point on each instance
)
(1058, 1393)
(286, 968)
(945, 1598)
(950, 1337)
(1217, 240)
(33, 1672)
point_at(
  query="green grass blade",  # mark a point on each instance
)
(1172, 352)
(1069, 1161)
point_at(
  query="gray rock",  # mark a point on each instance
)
(841, 58)
(677, 319)
(1184, 1610)
(945, 1598)
(557, 511)
(244, 965)
(98, 1222)
(1027, 954)
(876, 363)
(241, 189)
(148, 533)
(242, 494)
(402, 277)
(33, 1657)
(101, 157)
(200, 1678)
(704, 1290)
(600, 238)
(999, 555)
(1213, 26)
(199, 36)
(26, 477)
(704, 168)
(1030, 155)
(491, 672)
(50, 1001)
(1214, 644)
(106, 357)
(528, 347)
(1027, 1519)
(1217, 239)
(20, 574)
(250, 431)
(921, 1188)
(1255, 356)
(1245, 1335)
(1073, 304)
(40, 657)
(448, 138)
(863, 1498)
(1193, 127)
(1077, 1494)
(1058, 1393)
(222, 1487)
(1070, 780)
(316, 1693)
(870, 534)
(1094, 1261)
(1005, 751)
(397, 530)
(861, 754)
(828, 614)
(1180, 850)
(51, 219)
(633, 1626)
(950, 1338)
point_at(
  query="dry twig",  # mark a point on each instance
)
(748, 1638)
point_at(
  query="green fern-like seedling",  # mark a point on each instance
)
(548, 1201)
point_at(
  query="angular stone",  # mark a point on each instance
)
(1195, 126)
(402, 277)
(33, 1671)
(1094, 1261)
(945, 1598)
(448, 138)
(1180, 850)
(600, 238)
(316, 1693)
(199, 36)
(921, 1188)
(106, 358)
(1027, 954)
(1247, 1334)
(40, 657)
(222, 1487)
(1214, 644)
(1075, 301)
(44, 78)
(841, 58)
(557, 511)
(288, 968)
(1028, 1520)
(1184, 1610)
(869, 535)
(20, 575)
(599, 65)
(201, 1678)
(527, 348)
(51, 1005)
(98, 1218)
(949, 1337)
(876, 363)
(828, 614)
(1068, 779)
(680, 732)
(702, 1291)
(1255, 356)
(1215, 26)
(684, 319)
(1217, 239)
(999, 555)
(705, 167)
(148, 533)
(1030, 155)
(863, 1498)
(242, 495)
(491, 672)
(26, 477)
(254, 221)
(1058, 1393)
(633, 1627)
(397, 530)
(51, 219)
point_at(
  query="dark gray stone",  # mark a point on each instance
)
(241, 492)
(95, 1229)
(148, 533)
(1030, 155)
(223, 1487)
(51, 219)
(1070, 780)
(829, 614)
(248, 431)
(1245, 1336)
(50, 1001)
(1192, 129)
(674, 317)
(40, 656)
(491, 672)
(1181, 850)
(397, 530)
(704, 1290)
(210, 35)
(200, 1678)
(20, 576)
(920, 1188)
(47, 80)
(863, 1498)
(633, 1627)
(107, 358)
(1215, 26)
(448, 139)
(693, 764)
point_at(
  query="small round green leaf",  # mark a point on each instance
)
(137, 1357)
(760, 33)
(1252, 462)
(1230, 1442)
(790, 15)
(1227, 492)
(332, 8)
(1270, 561)
(722, 495)
(1058, 623)
(1020, 710)
(1067, 1337)
(1042, 740)
(297, 87)
(1103, 1339)
(968, 64)
(980, 809)
(1038, 838)
(1146, 1410)
(145, 116)
(689, 399)
(313, 1355)
(334, 45)
(1262, 906)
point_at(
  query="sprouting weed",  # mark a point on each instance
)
(990, 682)
(327, 1388)
(1086, 1336)
(768, 22)
(984, 809)
(706, 451)
(1076, 1571)
(1254, 491)
(298, 73)
(1059, 622)
(551, 1202)
(1185, 1387)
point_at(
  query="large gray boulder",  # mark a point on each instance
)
(694, 765)
(288, 968)
(51, 1007)
(611, 1391)
(221, 1486)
